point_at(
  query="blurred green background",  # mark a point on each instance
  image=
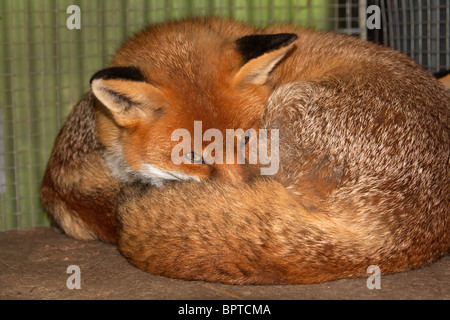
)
(45, 69)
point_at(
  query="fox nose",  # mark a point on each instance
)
(233, 173)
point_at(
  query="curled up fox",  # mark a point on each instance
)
(362, 145)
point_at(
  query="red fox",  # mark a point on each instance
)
(363, 142)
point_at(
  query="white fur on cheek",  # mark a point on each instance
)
(158, 176)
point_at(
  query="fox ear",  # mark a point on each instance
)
(261, 53)
(125, 92)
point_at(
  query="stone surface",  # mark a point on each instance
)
(34, 262)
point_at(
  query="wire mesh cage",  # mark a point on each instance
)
(45, 66)
(421, 29)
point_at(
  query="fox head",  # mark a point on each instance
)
(173, 76)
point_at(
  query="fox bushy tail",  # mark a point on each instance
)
(256, 233)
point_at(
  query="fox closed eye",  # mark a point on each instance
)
(198, 159)
(194, 158)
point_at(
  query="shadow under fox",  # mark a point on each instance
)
(364, 156)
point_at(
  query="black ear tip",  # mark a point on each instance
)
(125, 73)
(253, 46)
(97, 75)
(289, 37)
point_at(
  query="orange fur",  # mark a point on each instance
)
(78, 189)
(446, 81)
